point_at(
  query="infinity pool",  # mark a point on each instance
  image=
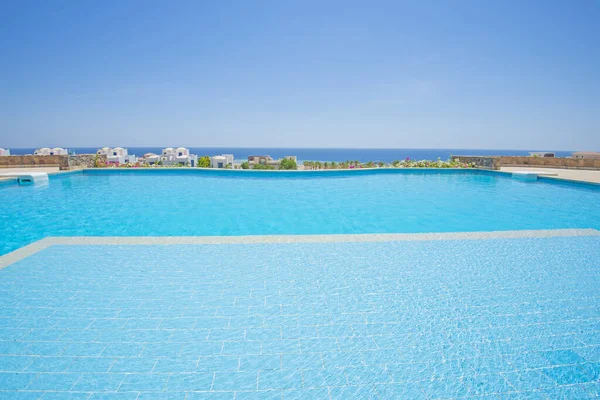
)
(178, 203)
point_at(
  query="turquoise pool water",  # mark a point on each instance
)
(173, 203)
(483, 319)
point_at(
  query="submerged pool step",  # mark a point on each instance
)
(530, 176)
(28, 178)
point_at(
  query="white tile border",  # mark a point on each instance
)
(35, 247)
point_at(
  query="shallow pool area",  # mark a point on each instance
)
(172, 202)
(447, 316)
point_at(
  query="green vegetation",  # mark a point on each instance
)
(288, 163)
(98, 164)
(408, 163)
(204, 162)
(263, 166)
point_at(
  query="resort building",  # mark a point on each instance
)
(4, 152)
(267, 160)
(586, 154)
(151, 158)
(222, 161)
(117, 155)
(180, 155)
(46, 151)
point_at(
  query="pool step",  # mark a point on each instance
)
(530, 176)
(28, 178)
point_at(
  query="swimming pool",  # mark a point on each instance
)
(193, 202)
(440, 307)
(505, 316)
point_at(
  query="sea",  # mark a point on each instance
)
(320, 154)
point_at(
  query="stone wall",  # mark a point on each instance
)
(31, 161)
(480, 162)
(496, 162)
(85, 160)
(62, 162)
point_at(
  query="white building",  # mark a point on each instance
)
(4, 152)
(117, 155)
(104, 150)
(152, 158)
(180, 155)
(46, 151)
(222, 161)
(168, 154)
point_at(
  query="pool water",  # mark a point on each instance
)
(494, 318)
(173, 203)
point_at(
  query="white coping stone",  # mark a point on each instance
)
(35, 247)
(25, 174)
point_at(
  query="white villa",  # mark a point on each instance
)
(222, 161)
(46, 151)
(180, 155)
(151, 158)
(117, 155)
(4, 152)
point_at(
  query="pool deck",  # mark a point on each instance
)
(48, 170)
(567, 174)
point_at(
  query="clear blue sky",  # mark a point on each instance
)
(416, 74)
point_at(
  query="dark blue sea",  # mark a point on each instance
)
(305, 154)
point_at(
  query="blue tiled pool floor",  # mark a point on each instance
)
(493, 318)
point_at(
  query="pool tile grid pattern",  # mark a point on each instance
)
(494, 318)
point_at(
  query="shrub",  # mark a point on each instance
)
(204, 162)
(408, 163)
(245, 165)
(287, 163)
(263, 166)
